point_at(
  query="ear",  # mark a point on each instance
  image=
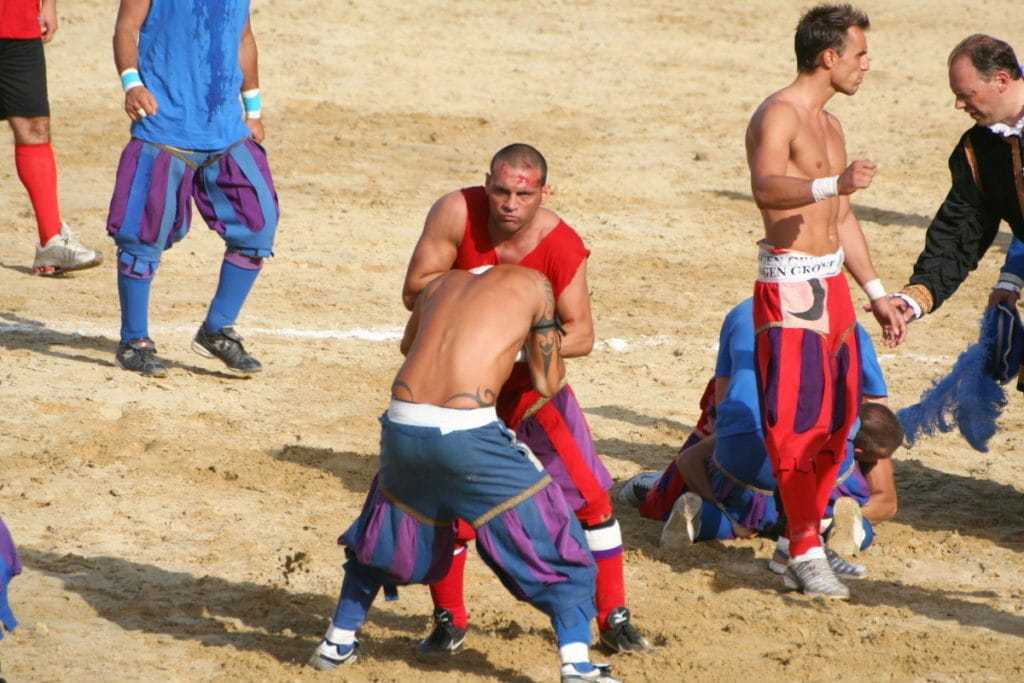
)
(1001, 80)
(545, 192)
(829, 57)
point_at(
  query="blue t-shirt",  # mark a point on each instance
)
(188, 59)
(740, 411)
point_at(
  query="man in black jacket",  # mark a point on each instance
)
(988, 181)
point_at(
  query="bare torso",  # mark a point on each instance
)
(468, 330)
(790, 137)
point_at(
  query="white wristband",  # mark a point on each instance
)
(874, 289)
(823, 188)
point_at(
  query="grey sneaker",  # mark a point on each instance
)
(843, 568)
(847, 532)
(329, 656)
(64, 253)
(635, 491)
(601, 673)
(139, 355)
(683, 523)
(622, 636)
(816, 579)
(445, 638)
(227, 346)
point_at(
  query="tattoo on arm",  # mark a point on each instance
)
(484, 399)
(548, 327)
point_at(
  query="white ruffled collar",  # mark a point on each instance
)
(1008, 131)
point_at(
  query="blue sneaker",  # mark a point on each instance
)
(329, 656)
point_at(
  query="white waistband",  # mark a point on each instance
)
(795, 266)
(445, 419)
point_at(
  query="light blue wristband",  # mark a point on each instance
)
(253, 103)
(130, 79)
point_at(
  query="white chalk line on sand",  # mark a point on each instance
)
(378, 334)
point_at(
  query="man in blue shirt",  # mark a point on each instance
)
(190, 74)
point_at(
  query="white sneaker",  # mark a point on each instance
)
(847, 527)
(64, 253)
(683, 523)
(635, 491)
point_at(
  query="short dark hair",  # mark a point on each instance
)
(988, 55)
(824, 28)
(522, 154)
(880, 432)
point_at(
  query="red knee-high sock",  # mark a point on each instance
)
(447, 592)
(605, 541)
(799, 498)
(611, 587)
(37, 170)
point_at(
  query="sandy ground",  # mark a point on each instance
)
(184, 529)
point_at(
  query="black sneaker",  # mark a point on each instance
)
(139, 355)
(623, 636)
(227, 346)
(446, 638)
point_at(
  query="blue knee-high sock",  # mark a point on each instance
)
(358, 591)
(134, 295)
(232, 290)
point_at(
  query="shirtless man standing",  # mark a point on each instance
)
(446, 455)
(808, 357)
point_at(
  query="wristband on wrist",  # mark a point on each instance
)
(874, 289)
(1009, 281)
(252, 101)
(823, 188)
(130, 79)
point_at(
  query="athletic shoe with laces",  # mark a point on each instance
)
(683, 523)
(445, 638)
(635, 491)
(622, 636)
(847, 530)
(600, 673)
(844, 569)
(139, 355)
(63, 253)
(226, 345)
(815, 578)
(329, 656)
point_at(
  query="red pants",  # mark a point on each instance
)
(808, 361)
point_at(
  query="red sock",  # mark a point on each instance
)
(37, 170)
(447, 592)
(611, 587)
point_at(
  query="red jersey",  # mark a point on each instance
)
(20, 19)
(559, 256)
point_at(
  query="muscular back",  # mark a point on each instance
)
(466, 330)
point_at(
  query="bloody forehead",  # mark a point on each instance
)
(523, 173)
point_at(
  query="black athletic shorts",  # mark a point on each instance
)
(23, 78)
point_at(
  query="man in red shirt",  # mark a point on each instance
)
(504, 222)
(24, 26)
